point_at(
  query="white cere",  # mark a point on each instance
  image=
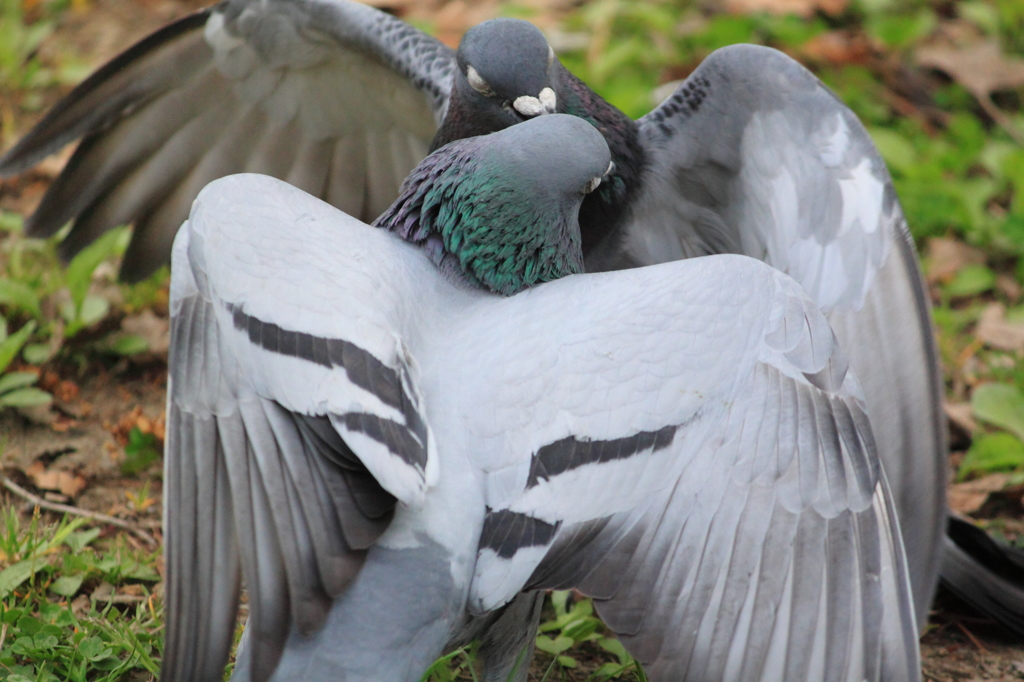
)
(591, 185)
(535, 106)
(528, 106)
(551, 56)
(477, 82)
(547, 100)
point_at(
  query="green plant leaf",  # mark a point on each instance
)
(36, 353)
(94, 309)
(897, 150)
(25, 397)
(1001, 405)
(129, 344)
(614, 646)
(992, 452)
(13, 343)
(67, 585)
(16, 574)
(20, 296)
(140, 452)
(79, 271)
(971, 281)
(29, 625)
(567, 661)
(13, 380)
(901, 31)
(553, 646)
(981, 14)
(579, 630)
(78, 540)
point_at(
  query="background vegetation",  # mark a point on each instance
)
(937, 83)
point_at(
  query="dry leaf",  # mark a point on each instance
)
(62, 389)
(1009, 287)
(137, 420)
(804, 8)
(81, 605)
(64, 482)
(968, 497)
(946, 257)
(838, 47)
(455, 18)
(982, 68)
(961, 414)
(994, 330)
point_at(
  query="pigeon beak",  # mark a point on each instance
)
(594, 183)
(529, 107)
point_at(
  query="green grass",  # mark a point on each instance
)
(74, 607)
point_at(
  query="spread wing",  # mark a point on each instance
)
(336, 98)
(683, 442)
(753, 155)
(294, 419)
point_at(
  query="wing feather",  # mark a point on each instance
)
(752, 539)
(244, 86)
(753, 155)
(266, 478)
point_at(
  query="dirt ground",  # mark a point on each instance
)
(83, 435)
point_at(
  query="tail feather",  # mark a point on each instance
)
(985, 573)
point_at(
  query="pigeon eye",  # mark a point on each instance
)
(591, 185)
(478, 83)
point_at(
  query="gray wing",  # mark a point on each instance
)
(292, 429)
(753, 155)
(335, 97)
(702, 465)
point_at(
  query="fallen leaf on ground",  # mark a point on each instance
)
(64, 482)
(982, 68)
(137, 420)
(838, 48)
(80, 606)
(946, 257)
(804, 8)
(961, 414)
(995, 331)
(62, 389)
(969, 497)
(1009, 287)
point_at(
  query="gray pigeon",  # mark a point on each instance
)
(393, 455)
(751, 155)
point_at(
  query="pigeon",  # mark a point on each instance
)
(751, 155)
(395, 433)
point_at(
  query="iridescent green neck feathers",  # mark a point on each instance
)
(501, 210)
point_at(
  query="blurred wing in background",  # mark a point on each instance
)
(336, 98)
(753, 155)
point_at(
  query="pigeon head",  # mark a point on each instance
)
(501, 210)
(507, 66)
(507, 73)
